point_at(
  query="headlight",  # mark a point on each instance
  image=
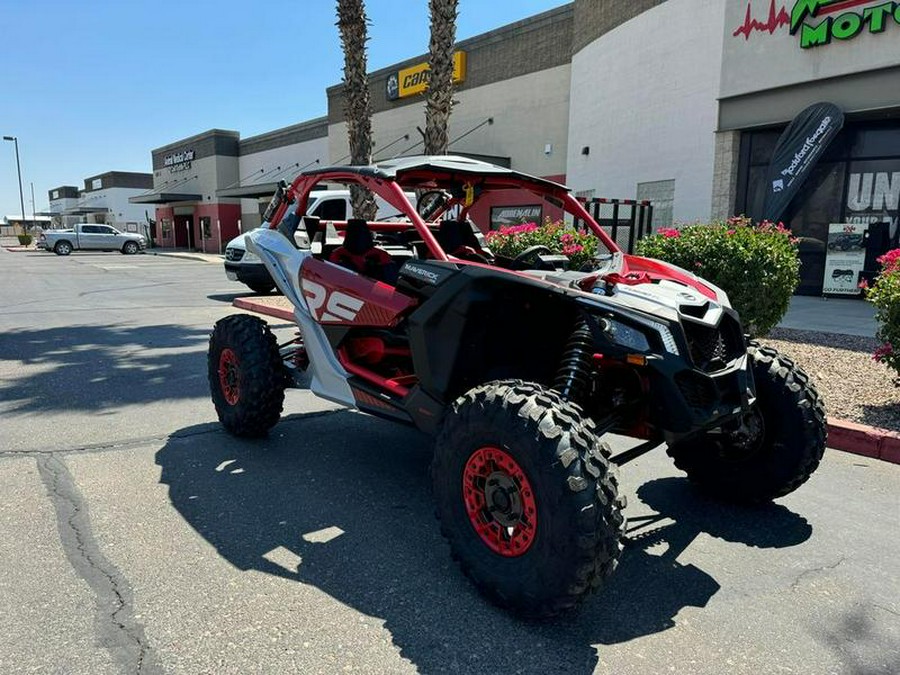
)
(668, 339)
(250, 257)
(626, 336)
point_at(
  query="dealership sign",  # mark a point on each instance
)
(414, 80)
(819, 22)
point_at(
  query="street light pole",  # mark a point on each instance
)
(15, 140)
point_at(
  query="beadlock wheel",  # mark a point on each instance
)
(500, 502)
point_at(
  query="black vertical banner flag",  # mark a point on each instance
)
(796, 154)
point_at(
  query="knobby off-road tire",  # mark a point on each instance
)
(791, 446)
(524, 445)
(246, 375)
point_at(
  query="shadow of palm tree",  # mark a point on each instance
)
(94, 367)
(341, 501)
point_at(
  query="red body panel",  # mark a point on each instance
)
(338, 296)
(658, 270)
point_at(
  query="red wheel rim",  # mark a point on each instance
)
(229, 376)
(500, 502)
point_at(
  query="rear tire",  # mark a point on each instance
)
(246, 375)
(791, 443)
(62, 248)
(526, 497)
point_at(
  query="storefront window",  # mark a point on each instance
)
(857, 181)
(166, 225)
(206, 227)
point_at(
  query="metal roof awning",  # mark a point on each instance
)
(164, 198)
(84, 210)
(249, 191)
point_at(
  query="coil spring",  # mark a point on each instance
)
(573, 376)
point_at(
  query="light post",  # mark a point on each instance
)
(15, 140)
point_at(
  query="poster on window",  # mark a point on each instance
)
(845, 258)
(502, 216)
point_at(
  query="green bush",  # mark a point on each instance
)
(579, 246)
(885, 295)
(24, 239)
(756, 265)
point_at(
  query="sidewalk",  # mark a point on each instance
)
(830, 315)
(186, 254)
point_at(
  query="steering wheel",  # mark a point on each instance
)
(530, 254)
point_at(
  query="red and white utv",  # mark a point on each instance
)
(517, 367)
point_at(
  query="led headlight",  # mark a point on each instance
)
(250, 257)
(626, 336)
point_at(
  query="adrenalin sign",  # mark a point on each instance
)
(845, 25)
(796, 154)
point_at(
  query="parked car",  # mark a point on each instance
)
(91, 237)
(328, 205)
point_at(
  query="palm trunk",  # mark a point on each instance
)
(440, 83)
(353, 25)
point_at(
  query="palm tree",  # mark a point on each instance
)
(440, 82)
(353, 25)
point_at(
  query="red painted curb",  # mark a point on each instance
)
(858, 439)
(262, 308)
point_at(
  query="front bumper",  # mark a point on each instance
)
(248, 273)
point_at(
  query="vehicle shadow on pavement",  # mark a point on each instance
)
(97, 367)
(349, 497)
(228, 298)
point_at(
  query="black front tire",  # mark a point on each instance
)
(130, 248)
(790, 446)
(246, 375)
(261, 288)
(576, 531)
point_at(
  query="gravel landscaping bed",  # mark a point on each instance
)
(855, 387)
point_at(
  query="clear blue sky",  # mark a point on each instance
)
(94, 86)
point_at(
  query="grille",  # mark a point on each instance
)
(712, 348)
(233, 254)
(697, 390)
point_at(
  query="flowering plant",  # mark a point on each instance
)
(579, 246)
(756, 265)
(885, 295)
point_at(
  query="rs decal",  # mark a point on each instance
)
(334, 306)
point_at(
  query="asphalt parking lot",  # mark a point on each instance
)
(136, 536)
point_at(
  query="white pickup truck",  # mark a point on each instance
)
(245, 267)
(91, 237)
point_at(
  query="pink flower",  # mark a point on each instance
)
(669, 232)
(883, 352)
(891, 260)
(730, 232)
(863, 284)
(572, 249)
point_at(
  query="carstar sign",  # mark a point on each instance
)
(874, 18)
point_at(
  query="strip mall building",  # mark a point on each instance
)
(677, 101)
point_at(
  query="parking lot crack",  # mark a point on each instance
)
(815, 570)
(114, 623)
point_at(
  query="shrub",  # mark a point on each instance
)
(24, 239)
(885, 295)
(756, 265)
(579, 246)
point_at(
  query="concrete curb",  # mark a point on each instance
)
(845, 436)
(201, 257)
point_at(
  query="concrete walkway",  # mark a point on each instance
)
(184, 253)
(830, 315)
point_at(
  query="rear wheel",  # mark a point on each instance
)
(130, 248)
(774, 450)
(526, 497)
(62, 248)
(246, 375)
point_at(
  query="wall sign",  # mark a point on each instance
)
(501, 216)
(179, 161)
(845, 258)
(414, 80)
(819, 22)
